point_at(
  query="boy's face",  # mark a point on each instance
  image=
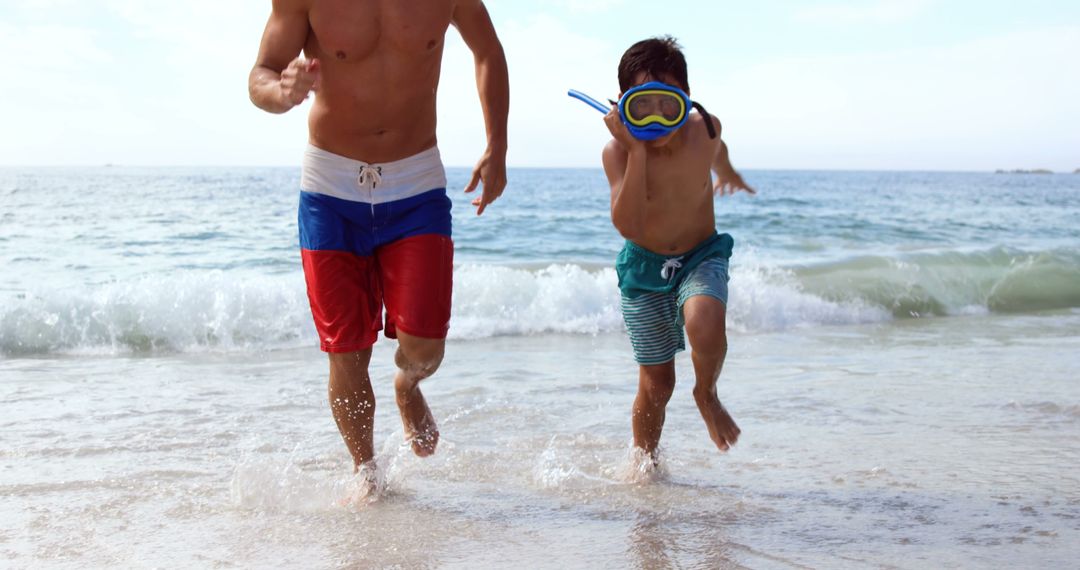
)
(643, 77)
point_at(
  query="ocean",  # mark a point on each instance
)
(904, 362)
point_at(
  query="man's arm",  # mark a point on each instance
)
(280, 79)
(493, 83)
(727, 178)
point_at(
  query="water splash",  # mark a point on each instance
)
(640, 467)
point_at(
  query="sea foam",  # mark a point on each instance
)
(219, 311)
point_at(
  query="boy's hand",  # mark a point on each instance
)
(730, 183)
(619, 131)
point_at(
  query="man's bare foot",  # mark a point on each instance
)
(363, 487)
(417, 421)
(642, 466)
(722, 428)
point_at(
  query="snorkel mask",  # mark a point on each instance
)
(651, 110)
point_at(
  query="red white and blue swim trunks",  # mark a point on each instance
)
(375, 235)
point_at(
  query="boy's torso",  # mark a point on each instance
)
(679, 209)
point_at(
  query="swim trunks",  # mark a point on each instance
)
(375, 235)
(655, 288)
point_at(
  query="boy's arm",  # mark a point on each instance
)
(624, 165)
(728, 180)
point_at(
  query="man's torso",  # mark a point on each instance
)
(380, 63)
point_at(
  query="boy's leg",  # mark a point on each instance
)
(353, 403)
(706, 328)
(417, 358)
(655, 385)
(655, 337)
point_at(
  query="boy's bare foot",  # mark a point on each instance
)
(722, 428)
(417, 421)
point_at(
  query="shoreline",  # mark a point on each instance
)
(238, 454)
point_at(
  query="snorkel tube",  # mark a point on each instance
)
(646, 133)
(589, 101)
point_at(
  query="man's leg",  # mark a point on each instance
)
(655, 385)
(707, 330)
(417, 277)
(353, 403)
(417, 358)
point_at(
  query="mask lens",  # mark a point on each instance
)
(648, 105)
(670, 107)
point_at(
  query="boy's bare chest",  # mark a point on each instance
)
(677, 195)
(672, 182)
(351, 30)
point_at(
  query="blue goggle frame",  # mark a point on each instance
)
(654, 126)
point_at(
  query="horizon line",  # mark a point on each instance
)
(1031, 171)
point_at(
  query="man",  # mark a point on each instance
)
(374, 216)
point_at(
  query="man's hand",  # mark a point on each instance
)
(299, 79)
(491, 170)
(730, 183)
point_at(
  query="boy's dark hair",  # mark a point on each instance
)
(656, 57)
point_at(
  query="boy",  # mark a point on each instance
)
(673, 269)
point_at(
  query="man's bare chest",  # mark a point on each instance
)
(352, 30)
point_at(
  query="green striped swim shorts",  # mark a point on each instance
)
(654, 319)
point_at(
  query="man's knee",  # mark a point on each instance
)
(351, 364)
(419, 360)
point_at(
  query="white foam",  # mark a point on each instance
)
(182, 312)
(498, 301)
(767, 298)
(218, 311)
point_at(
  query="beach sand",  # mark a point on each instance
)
(945, 443)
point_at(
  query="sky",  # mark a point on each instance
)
(798, 84)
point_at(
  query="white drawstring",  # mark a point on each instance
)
(372, 174)
(670, 266)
